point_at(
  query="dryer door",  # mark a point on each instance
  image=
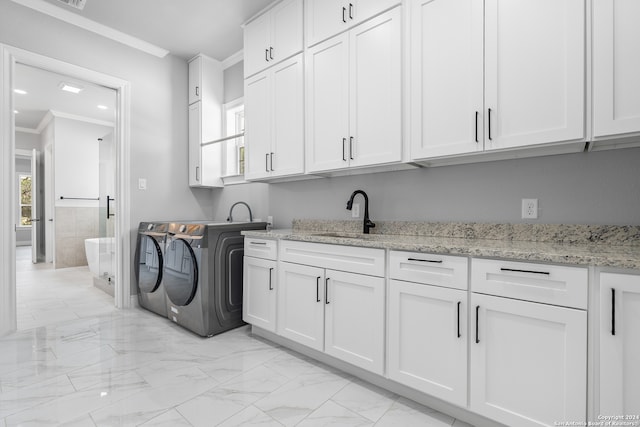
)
(180, 272)
(150, 264)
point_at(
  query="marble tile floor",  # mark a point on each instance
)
(109, 367)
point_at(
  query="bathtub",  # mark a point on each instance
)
(100, 256)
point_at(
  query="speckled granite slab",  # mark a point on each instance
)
(603, 246)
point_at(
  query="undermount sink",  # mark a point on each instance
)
(345, 235)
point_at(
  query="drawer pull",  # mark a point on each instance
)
(459, 335)
(270, 282)
(516, 270)
(435, 261)
(477, 336)
(318, 289)
(257, 243)
(613, 311)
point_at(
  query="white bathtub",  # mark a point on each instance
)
(100, 255)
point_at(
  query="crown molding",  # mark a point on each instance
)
(233, 59)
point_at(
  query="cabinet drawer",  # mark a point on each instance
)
(439, 270)
(336, 257)
(260, 248)
(550, 284)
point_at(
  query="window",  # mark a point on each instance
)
(24, 202)
(233, 148)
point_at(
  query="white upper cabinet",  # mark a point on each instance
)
(532, 81)
(274, 112)
(273, 36)
(195, 79)
(616, 67)
(354, 97)
(326, 18)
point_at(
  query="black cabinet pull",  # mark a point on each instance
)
(326, 290)
(344, 141)
(270, 284)
(489, 126)
(477, 126)
(197, 91)
(271, 52)
(435, 261)
(318, 289)
(477, 336)
(517, 270)
(198, 173)
(350, 10)
(351, 147)
(109, 200)
(266, 162)
(344, 10)
(257, 243)
(459, 334)
(613, 311)
(271, 161)
(266, 55)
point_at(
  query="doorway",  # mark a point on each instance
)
(11, 58)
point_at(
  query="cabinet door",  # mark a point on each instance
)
(257, 111)
(287, 143)
(528, 362)
(257, 40)
(286, 36)
(301, 304)
(446, 78)
(534, 76)
(376, 91)
(428, 339)
(195, 80)
(325, 18)
(619, 344)
(328, 104)
(616, 67)
(195, 138)
(259, 293)
(354, 311)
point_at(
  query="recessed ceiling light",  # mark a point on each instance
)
(20, 91)
(103, 107)
(67, 87)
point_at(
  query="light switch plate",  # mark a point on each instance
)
(142, 183)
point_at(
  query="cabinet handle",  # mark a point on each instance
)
(344, 10)
(266, 55)
(326, 291)
(257, 243)
(489, 127)
(613, 311)
(435, 261)
(270, 285)
(516, 270)
(197, 91)
(350, 10)
(197, 173)
(459, 335)
(266, 162)
(477, 336)
(271, 161)
(270, 52)
(344, 141)
(477, 126)
(318, 289)
(351, 147)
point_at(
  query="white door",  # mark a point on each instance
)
(428, 339)
(354, 313)
(528, 362)
(376, 91)
(447, 82)
(259, 293)
(36, 217)
(287, 124)
(534, 72)
(327, 105)
(257, 138)
(616, 67)
(301, 291)
(619, 344)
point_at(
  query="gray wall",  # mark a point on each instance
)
(234, 82)
(28, 141)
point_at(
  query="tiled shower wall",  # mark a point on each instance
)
(72, 226)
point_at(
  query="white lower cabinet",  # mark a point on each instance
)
(428, 339)
(528, 362)
(619, 364)
(259, 294)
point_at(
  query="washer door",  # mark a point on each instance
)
(150, 265)
(180, 272)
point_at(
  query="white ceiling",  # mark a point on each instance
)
(182, 27)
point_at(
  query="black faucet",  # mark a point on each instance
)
(230, 218)
(367, 222)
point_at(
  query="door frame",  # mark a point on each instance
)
(9, 56)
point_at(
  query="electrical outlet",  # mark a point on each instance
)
(142, 183)
(529, 208)
(355, 210)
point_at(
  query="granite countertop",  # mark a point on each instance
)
(602, 246)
